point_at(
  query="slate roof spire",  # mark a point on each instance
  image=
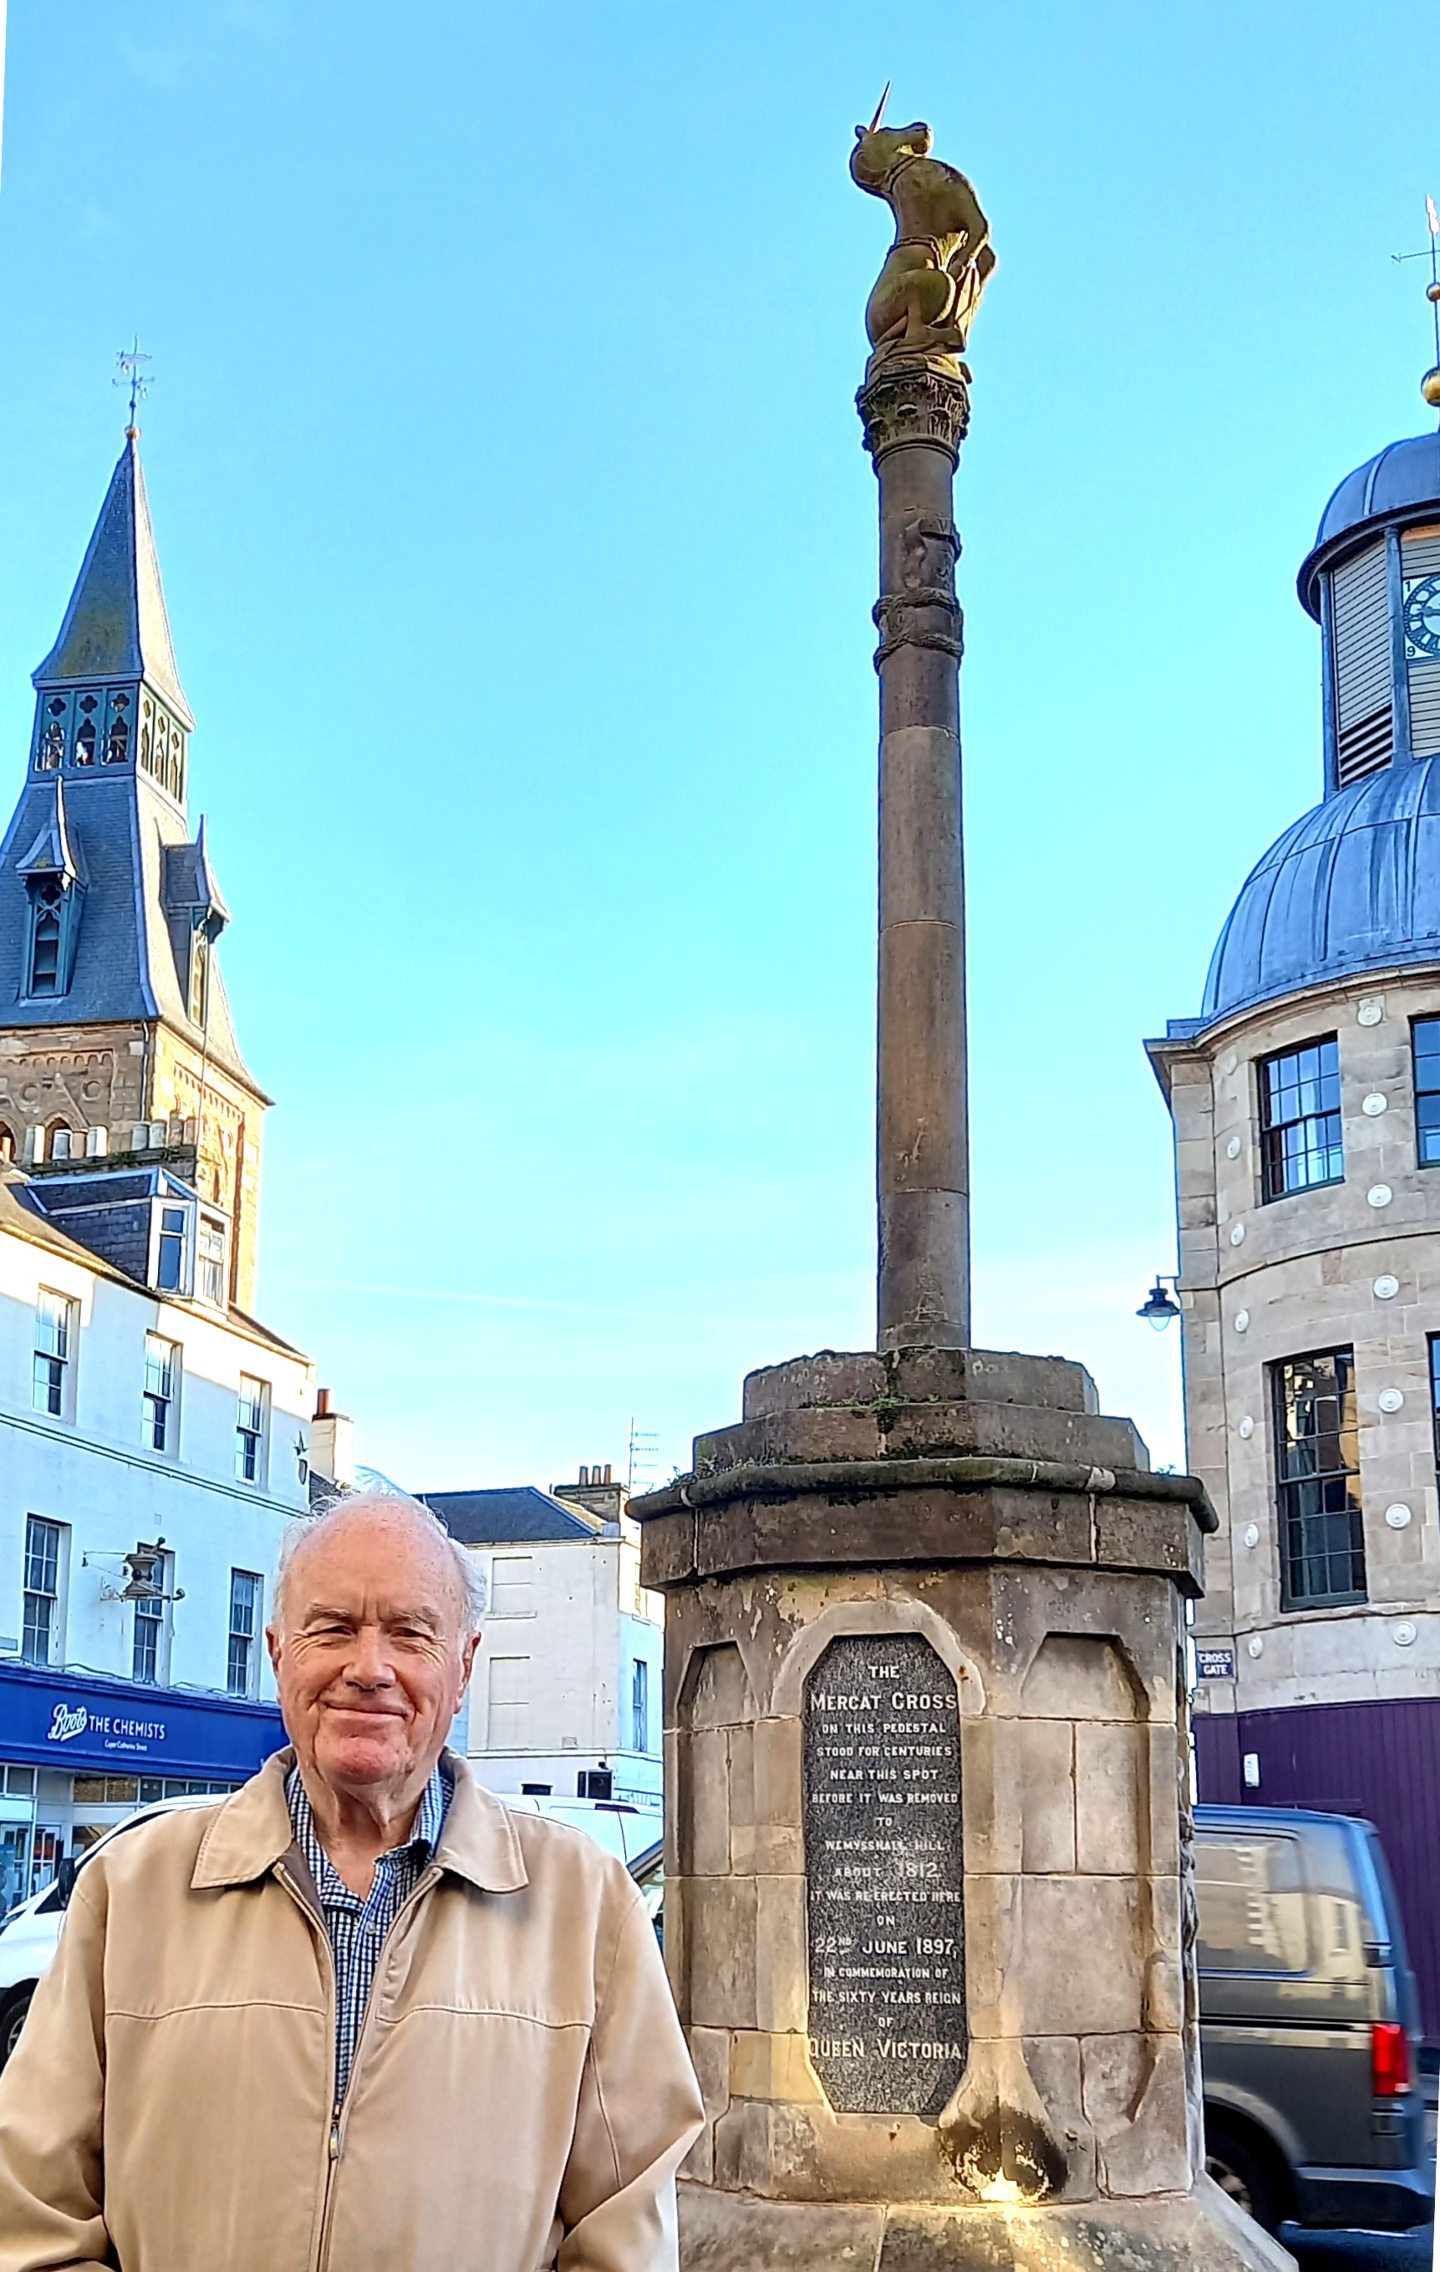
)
(102, 812)
(116, 626)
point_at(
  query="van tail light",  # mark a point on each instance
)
(1389, 2059)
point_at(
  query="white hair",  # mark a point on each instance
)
(468, 1571)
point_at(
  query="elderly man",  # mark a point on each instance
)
(360, 2015)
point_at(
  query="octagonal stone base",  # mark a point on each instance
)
(979, 1503)
(1201, 2231)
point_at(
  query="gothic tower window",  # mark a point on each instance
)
(117, 740)
(85, 743)
(52, 747)
(46, 934)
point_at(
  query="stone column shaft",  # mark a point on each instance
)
(914, 419)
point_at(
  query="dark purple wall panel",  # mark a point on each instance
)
(1379, 1760)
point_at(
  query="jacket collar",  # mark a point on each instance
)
(252, 1831)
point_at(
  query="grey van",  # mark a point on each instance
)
(1308, 2022)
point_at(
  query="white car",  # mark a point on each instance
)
(29, 1933)
(31, 1930)
(623, 1830)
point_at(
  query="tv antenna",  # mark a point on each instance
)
(643, 1452)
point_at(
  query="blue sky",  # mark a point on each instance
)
(519, 550)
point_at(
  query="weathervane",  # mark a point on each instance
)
(132, 376)
(1430, 384)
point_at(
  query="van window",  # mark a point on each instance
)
(1251, 1898)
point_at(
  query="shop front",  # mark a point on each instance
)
(78, 1753)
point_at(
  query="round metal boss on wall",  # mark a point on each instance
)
(1250, 1536)
(1379, 1195)
(1232, 1149)
(1390, 1399)
(1398, 1516)
(1247, 1427)
(1242, 1321)
(1370, 1011)
(1386, 1287)
(1237, 1233)
(1255, 1647)
(1403, 1634)
(1374, 1104)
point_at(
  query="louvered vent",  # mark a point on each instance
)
(1420, 552)
(1362, 665)
(1420, 556)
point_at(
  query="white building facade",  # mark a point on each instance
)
(565, 1698)
(151, 1452)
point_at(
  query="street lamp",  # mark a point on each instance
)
(1158, 1307)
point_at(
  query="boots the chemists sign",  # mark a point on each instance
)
(884, 1857)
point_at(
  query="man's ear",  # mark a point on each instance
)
(467, 1661)
(272, 1643)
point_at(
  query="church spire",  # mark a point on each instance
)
(116, 626)
(116, 1037)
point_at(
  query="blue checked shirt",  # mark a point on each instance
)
(357, 1928)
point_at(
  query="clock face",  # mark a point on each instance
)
(1422, 617)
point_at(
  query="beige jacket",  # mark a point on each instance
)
(521, 2095)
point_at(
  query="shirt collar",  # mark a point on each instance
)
(250, 1832)
(423, 1839)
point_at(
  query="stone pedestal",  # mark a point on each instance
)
(928, 1915)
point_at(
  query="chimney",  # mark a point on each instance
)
(332, 1442)
(595, 1492)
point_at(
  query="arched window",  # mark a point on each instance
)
(85, 743)
(52, 747)
(117, 736)
(7, 1145)
(59, 1140)
(45, 939)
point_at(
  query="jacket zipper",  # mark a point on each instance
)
(332, 2002)
(338, 2110)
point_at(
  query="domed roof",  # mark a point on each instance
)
(1352, 885)
(1400, 483)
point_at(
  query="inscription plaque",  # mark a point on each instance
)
(884, 1856)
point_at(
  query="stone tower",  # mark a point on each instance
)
(116, 1040)
(1306, 1106)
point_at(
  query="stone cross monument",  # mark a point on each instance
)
(928, 1911)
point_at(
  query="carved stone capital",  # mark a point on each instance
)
(913, 402)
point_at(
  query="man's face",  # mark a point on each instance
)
(370, 1658)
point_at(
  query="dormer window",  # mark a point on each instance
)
(190, 1251)
(47, 935)
(210, 1261)
(172, 1250)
